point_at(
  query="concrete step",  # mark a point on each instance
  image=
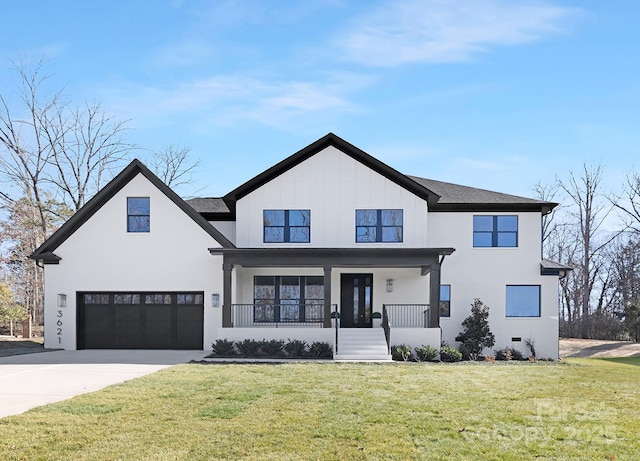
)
(363, 344)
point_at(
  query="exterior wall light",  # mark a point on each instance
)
(389, 285)
(215, 300)
(62, 300)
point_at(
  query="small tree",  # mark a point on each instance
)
(10, 311)
(476, 335)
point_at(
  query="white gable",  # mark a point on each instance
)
(332, 185)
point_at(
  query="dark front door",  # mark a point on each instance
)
(356, 300)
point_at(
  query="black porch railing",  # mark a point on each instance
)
(278, 315)
(407, 315)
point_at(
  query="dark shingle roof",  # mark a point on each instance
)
(456, 194)
(208, 205)
(440, 196)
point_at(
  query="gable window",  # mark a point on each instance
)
(287, 226)
(495, 231)
(138, 211)
(445, 300)
(378, 226)
(288, 298)
(523, 301)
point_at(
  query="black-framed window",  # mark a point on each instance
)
(523, 301)
(445, 300)
(288, 298)
(495, 231)
(138, 214)
(287, 226)
(379, 226)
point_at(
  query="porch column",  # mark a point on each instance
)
(327, 297)
(434, 295)
(226, 295)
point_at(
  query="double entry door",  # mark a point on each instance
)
(356, 300)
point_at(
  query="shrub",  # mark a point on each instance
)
(401, 352)
(531, 345)
(450, 354)
(295, 348)
(508, 353)
(272, 347)
(476, 335)
(320, 349)
(223, 347)
(426, 353)
(490, 358)
(248, 347)
(466, 354)
(517, 355)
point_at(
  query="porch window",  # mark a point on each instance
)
(138, 212)
(495, 231)
(378, 226)
(523, 301)
(445, 300)
(288, 298)
(287, 226)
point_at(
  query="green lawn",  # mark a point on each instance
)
(581, 409)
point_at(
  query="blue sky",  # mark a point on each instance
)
(498, 94)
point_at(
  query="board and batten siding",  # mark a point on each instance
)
(102, 256)
(332, 185)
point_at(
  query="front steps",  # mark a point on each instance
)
(362, 345)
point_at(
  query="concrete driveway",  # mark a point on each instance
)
(28, 381)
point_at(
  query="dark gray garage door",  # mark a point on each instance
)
(140, 320)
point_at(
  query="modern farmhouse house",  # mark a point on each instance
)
(328, 245)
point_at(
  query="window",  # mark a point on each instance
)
(287, 226)
(445, 300)
(378, 226)
(288, 299)
(523, 300)
(138, 214)
(495, 231)
(126, 298)
(96, 298)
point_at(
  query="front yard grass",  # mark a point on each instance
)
(580, 409)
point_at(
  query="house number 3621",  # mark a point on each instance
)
(59, 326)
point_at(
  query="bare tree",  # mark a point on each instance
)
(629, 201)
(589, 211)
(52, 159)
(172, 164)
(86, 145)
(547, 193)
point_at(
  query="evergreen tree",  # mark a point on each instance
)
(476, 335)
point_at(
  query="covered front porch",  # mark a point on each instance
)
(307, 293)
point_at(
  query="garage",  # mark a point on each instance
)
(140, 320)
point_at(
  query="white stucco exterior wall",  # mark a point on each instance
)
(485, 272)
(102, 256)
(332, 185)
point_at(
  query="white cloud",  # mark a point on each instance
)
(435, 31)
(228, 99)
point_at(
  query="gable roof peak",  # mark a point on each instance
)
(330, 139)
(132, 170)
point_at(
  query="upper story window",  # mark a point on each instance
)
(378, 226)
(523, 301)
(287, 226)
(138, 211)
(495, 231)
(445, 300)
